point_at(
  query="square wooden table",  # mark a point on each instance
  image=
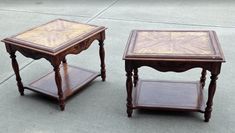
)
(53, 41)
(176, 51)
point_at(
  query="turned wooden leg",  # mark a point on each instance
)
(203, 78)
(59, 87)
(102, 55)
(16, 70)
(64, 60)
(211, 92)
(129, 87)
(136, 77)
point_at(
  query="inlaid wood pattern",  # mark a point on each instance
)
(173, 43)
(55, 33)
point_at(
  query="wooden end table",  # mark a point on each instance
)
(176, 51)
(53, 41)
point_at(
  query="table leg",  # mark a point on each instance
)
(59, 86)
(136, 77)
(102, 55)
(64, 60)
(203, 78)
(211, 92)
(16, 70)
(129, 87)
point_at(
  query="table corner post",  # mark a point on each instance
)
(15, 67)
(215, 70)
(58, 81)
(102, 56)
(203, 78)
(129, 87)
(136, 76)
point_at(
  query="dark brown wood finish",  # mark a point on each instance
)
(17, 73)
(129, 86)
(211, 93)
(102, 65)
(59, 86)
(169, 61)
(203, 77)
(181, 95)
(64, 60)
(57, 55)
(136, 76)
(71, 82)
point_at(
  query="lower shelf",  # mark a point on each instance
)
(169, 95)
(73, 79)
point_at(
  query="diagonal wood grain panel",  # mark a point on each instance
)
(55, 33)
(173, 43)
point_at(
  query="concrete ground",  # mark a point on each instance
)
(101, 107)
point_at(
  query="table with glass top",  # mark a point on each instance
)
(53, 41)
(176, 51)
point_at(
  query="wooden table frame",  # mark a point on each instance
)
(55, 58)
(132, 63)
(131, 66)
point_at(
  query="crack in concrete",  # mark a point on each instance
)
(118, 19)
(102, 11)
(44, 13)
(170, 23)
(7, 78)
